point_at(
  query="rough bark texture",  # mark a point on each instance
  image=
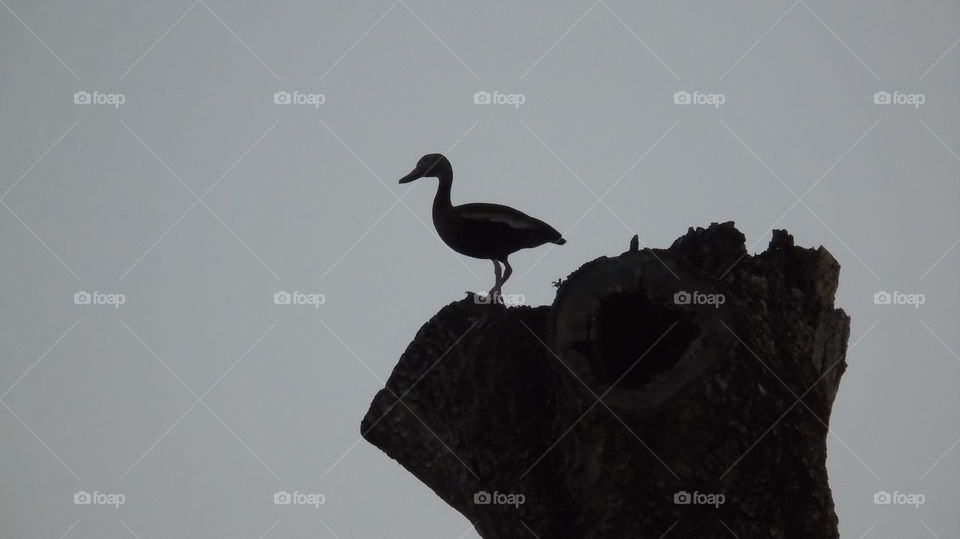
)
(611, 408)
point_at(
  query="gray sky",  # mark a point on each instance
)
(198, 197)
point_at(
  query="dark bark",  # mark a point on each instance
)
(601, 408)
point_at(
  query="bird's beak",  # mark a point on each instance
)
(415, 174)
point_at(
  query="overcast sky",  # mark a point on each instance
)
(144, 158)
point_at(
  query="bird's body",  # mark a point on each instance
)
(481, 230)
(490, 231)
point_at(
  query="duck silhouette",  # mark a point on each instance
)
(481, 230)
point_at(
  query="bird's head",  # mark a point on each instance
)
(432, 165)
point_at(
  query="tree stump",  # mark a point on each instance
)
(682, 391)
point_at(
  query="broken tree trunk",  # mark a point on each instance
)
(685, 389)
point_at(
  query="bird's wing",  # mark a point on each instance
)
(498, 213)
(508, 228)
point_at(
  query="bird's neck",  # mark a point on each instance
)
(441, 201)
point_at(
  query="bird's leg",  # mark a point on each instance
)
(494, 294)
(506, 275)
(502, 279)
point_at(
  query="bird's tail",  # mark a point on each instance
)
(560, 241)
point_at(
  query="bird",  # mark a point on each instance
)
(481, 230)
